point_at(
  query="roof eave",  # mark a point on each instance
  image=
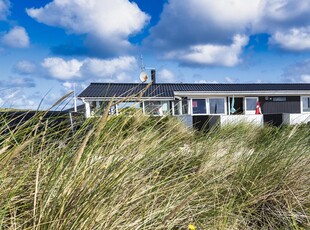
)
(242, 93)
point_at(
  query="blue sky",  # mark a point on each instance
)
(47, 46)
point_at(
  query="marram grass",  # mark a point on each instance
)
(135, 172)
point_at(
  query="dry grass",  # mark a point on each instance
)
(142, 173)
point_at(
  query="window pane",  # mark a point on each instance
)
(165, 107)
(217, 105)
(251, 103)
(306, 104)
(185, 106)
(152, 107)
(177, 107)
(199, 106)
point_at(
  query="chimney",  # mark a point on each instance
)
(153, 76)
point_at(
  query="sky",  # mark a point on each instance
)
(50, 47)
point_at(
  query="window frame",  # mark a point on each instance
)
(246, 111)
(192, 108)
(302, 104)
(225, 106)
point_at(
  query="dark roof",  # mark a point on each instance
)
(168, 89)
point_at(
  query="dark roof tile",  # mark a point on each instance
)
(168, 89)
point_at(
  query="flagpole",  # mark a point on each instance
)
(74, 98)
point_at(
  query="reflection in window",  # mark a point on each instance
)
(185, 106)
(177, 107)
(152, 107)
(251, 103)
(164, 108)
(306, 104)
(199, 106)
(217, 105)
(279, 99)
(157, 108)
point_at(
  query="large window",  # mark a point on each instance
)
(217, 105)
(158, 108)
(199, 106)
(251, 103)
(306, 104)
(152, 107)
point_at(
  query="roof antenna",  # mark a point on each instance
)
(143, 75)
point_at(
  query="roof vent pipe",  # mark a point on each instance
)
(153, 76)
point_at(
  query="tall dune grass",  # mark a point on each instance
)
(135, 172)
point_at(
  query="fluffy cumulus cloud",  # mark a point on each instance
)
(4, 9)
(166, 75)
(16, 99)
(17, 37)
(298, 72)
(61, 69)
(282, 14)
(201, 31)
(213, 55)
(296, 39)
(109, 67)
(109, 23)
(24, 67)
(194, 22)
(288, 23)
(89, 68)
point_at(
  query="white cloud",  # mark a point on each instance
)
(230, 80)
(214, 55)
(206, 82)
(61, 69)
(305, 78)
(193, 22)
(201, 27)
(89, 68)
(166, 75)
(298, 72)
(16, 99)
(16, 38)
(282, 14)
(108, 67)
(68, 85)
(110, 22)
(4, 9)
(296, 39)
(24, 67)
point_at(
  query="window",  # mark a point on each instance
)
(152, 107)
(306, 104)
(157, 108)
(279, 99)
(251, 103)
(185, 106)
(199, 106)
(165, 107)
(217, 105)
(177, 107)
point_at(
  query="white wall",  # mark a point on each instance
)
(293, 119)
(256, 119)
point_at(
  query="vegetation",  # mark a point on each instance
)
(134, 172)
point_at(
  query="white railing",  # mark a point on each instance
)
(256, 119)
(295, 118)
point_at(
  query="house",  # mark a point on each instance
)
(200, 104)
